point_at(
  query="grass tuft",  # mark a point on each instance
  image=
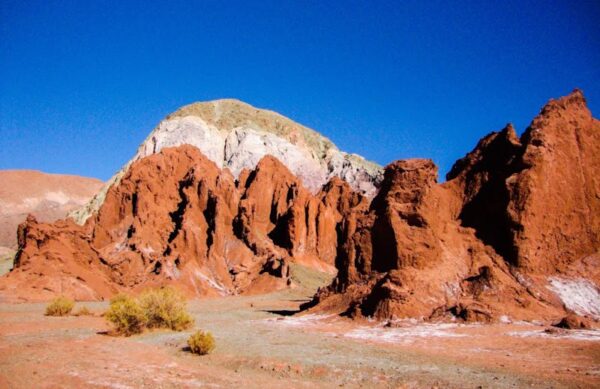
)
(201, 343)
(60, 306)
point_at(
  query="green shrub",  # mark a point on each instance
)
(126, 315)
(60, 306)
(83, 311)
(165, 308)
(201, 343)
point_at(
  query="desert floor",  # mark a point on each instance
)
(260, 345)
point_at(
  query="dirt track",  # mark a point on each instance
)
(258, 346)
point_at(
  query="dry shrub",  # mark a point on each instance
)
(165, 308)
(83, 311)
(126, 315)
(60, 306)
(201, 343)
(154, 308)
(119, 297)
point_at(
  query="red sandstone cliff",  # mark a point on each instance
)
(176, 218)
(515, 231)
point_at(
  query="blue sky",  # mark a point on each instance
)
(82, 83)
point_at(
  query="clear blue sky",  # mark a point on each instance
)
(83, 82)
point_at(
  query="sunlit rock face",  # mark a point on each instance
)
(237, 136)
(176, 218)
(513, 232)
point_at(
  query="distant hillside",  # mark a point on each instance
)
(47, 196)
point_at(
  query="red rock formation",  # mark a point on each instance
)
(176, 218)
(541, 191)
(517, 220)
(514, 231)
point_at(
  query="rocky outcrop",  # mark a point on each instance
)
(514, 232)
(237, 136)
(175, 217)
(535, 199)
(47, 196)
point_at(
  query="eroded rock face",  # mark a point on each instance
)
(237, 136)
(540, 192)
(175, 217)
(513, 234)
(487, 244)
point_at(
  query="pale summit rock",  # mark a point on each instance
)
(236, 135)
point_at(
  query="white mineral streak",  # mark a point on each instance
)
(579, 295)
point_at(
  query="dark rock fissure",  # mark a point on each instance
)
(130, 231)
(486, 212)
(157, 268)
(177, 215)
(210, 214)
(134, 204)
(280, 234)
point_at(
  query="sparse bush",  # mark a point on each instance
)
(201, 343)
(119, 297)
(60, 306)
(165, 308)
(154, 308)
(126, 315)
(83, 311)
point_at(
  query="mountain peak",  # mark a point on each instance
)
(236, 135)
(574, 101)
(228, 114)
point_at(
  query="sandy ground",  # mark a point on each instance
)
(259, 345)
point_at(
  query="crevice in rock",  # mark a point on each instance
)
(177, 215)
(487, 210)
(250, 180)
(384, 243)
(274, 215)
(291, 194)
(307, 218)
(476, 284)
(210, 214)
(342, 262)
(487, 214)
(238, 227)
(280, 234)
(134, 204)
(130, 231)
